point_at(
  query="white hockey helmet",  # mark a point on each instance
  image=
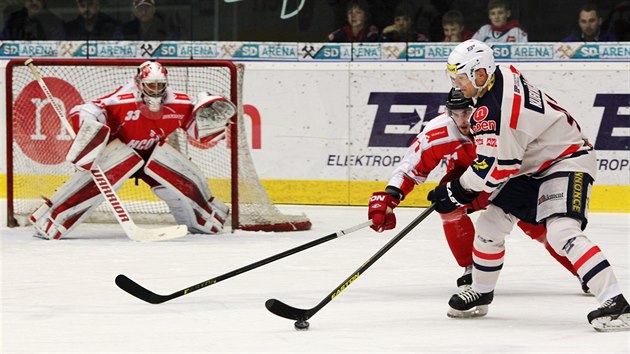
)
(468, 57)
(152, 81)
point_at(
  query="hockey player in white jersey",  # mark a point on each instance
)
(533, 156)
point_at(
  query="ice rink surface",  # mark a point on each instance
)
(60, 296)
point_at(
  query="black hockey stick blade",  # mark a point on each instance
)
(139, 291)
(281, 309)
(147, 295)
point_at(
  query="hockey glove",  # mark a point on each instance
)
(380, 211)
(450, 196)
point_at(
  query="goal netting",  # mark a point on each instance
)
(38, 143)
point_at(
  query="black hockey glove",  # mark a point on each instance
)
(450, 196)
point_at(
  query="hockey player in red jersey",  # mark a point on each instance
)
(447, 137)
(534, 158)
(125, 133)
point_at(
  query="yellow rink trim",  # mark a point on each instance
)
(614, 199)
(603, 199)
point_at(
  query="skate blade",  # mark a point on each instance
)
(607, 324)
(477, 311)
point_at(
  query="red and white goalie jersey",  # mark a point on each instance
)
(440, 139)
(521, 130)
(133, 123)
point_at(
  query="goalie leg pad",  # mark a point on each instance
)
(77, 198)
(185, 190)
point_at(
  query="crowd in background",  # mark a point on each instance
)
(354, 20)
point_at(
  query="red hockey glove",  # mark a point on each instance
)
(382, 219)
(450, 196)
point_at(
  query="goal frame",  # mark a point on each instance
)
(233, 128)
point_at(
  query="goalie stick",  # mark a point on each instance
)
(132, 231)
(144, 294)
(281, 309)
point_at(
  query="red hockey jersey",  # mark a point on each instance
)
(440, 139)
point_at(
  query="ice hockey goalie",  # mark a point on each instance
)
(124, 133)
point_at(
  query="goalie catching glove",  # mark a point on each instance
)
(212, 114)
(381, 210)
(450, 196)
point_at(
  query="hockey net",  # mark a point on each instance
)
(37, 143)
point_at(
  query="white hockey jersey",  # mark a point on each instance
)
(520, 130)
(440, 139)
(511, 32)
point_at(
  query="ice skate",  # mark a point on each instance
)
(469, 304)
(613, 315)
(465, 281)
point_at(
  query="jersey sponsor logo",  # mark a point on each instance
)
(126, 96)
(36, 127)
(173, 116)
(484, 127)
(480, 114)
(547, 197)
(182, 96)
(436, 134)
(144, 144)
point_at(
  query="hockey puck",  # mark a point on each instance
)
(301, 325)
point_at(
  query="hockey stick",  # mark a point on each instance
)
(144, 294)
(124, 218)
(301, 316)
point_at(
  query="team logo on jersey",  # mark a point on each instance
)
(481, 165)
(480, 114)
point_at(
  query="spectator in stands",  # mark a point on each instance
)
(500, 28)
(92, 24)
(590, 22)
(358, 28)
(33, 22)
(453, 27)
(400, 30)
(150, 24)
(618, 22)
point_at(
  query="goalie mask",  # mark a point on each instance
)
(467, 58)
(152, 81)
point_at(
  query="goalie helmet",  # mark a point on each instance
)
(467, 58)
(152, 81)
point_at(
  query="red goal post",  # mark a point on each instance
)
(37, 144)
